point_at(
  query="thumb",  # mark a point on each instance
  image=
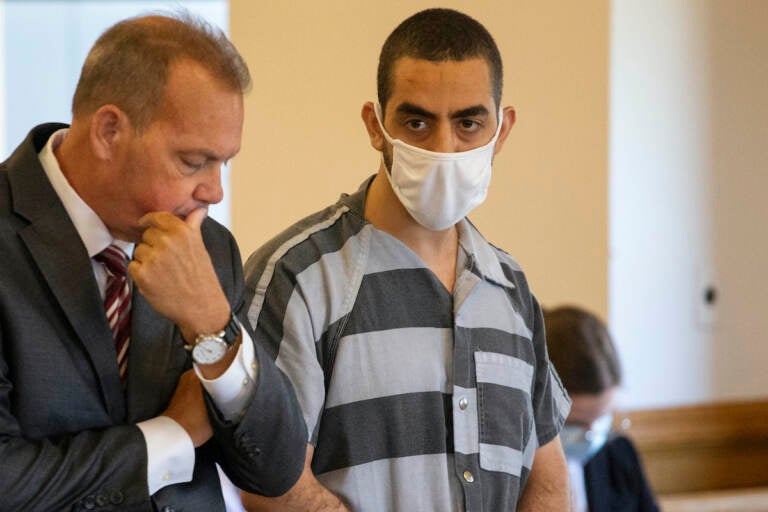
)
(196, 217)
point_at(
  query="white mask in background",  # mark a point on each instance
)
(580, 444)
(439, 189)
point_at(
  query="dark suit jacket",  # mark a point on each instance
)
(615, 481)
(68, 438)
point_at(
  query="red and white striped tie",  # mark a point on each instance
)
(117, 301)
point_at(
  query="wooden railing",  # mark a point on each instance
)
(698, 448)
(752, 499)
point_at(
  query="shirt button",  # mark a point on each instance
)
(463, 403)
(253, 365)
(245, 382)
(468, 477)
(166, 477)
(116, 498)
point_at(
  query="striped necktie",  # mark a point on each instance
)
(117, 301)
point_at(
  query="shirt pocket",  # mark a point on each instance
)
(505, 412)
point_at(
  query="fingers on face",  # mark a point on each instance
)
(161, 227)
(156, 219)
(136, 267)
(155, 237)
(142, 253)
(196, 218)
(134, 270)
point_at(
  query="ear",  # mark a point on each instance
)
(372, 126)
(508, 117)
(109, 128)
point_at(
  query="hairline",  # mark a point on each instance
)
(488, 64)
(225, 67)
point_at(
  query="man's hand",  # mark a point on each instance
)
(187, 408)
(174, 272)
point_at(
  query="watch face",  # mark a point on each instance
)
(209, 351)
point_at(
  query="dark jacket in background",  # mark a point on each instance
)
(615, 480)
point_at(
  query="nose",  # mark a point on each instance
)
(443, 139)
(209, 189)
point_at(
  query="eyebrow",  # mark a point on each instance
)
(208, 155)
(411, 109)
(477, 110)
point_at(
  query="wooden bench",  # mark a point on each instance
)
(703, 455)
(734, 500)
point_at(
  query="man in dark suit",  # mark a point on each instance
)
(100, 408)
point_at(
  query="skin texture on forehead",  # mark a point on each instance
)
(195, 104)
(441, 87)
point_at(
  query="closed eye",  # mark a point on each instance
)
(194, 165)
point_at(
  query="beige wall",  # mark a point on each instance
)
(739, 98)
(688, 132)
(314, 66)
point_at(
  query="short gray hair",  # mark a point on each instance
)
(128, 65)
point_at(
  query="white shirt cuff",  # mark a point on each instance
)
(170, 453)
(232, 391)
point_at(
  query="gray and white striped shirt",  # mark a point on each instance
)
(416, 399)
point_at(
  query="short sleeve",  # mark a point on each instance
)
(282, 323)
(551, 403)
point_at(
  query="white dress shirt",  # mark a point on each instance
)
(170, 451)
(578, 487)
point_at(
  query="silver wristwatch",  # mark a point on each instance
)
(211, 348)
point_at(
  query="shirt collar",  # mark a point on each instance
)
(481, 254)
(94, 234)
(356, 201)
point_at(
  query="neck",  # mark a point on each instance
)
(438, 249)
(73, 156)
(85, 174)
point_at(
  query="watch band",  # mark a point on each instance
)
(232, 330)
(228, 335)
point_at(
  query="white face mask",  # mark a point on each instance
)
(439, 189)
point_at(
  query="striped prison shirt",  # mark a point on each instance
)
(415, 398)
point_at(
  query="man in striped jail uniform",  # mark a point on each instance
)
(415, 347)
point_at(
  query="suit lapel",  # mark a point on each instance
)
(156, 358)
(58, 252)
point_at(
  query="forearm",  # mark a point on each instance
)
(547, 489)
(545, 498)
(307, 494)
(264, 451)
